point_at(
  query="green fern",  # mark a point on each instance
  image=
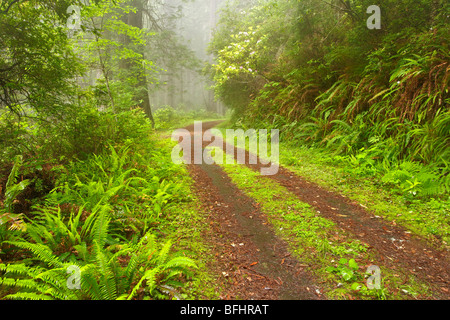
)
(100, 230)
(411, 177)
(149, 277)
(59, 233)
(107, 279)
(12, 190)
(37, 283)
(40, 251)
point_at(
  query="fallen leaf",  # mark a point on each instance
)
(254, 264)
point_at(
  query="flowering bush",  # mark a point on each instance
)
(240, 59)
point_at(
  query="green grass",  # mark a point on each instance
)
(426, 217)
(319, 242)
(186, 225)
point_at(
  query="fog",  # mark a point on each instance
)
(185, 87)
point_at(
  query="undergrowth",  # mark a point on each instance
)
(117, 224)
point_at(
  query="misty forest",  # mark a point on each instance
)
(94, 207)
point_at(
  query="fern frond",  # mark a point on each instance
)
(114, 159)
(20, 269)
(131, 269)
(150, 278)
(54, 277)
(101, 227)
(89, 282)
(180, 262)
(28, 296)
(163, 253)
(42, 252)
(12, 178)
(107, 279)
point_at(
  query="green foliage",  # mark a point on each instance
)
(97, 187)
(117, 26)
(11, 223)
(167, 117)
(84, 224)
(14, 188)
(102, 276)
(103, 215)
(347, 269)
(37, 65)
(344, 86)
(413, 178)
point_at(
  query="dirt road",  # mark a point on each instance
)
(253, 263)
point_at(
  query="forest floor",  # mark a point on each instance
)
(252, 261)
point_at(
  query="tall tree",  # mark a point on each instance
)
(135, 18)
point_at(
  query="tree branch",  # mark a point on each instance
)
(5, 11)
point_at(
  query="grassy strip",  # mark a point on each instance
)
(317, 241)
(426, 218)
(185, 225)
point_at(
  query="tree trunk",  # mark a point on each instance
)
(136, 20)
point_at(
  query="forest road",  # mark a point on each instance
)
(254, 263)
(251, 261)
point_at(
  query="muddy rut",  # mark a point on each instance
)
(255, 264)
